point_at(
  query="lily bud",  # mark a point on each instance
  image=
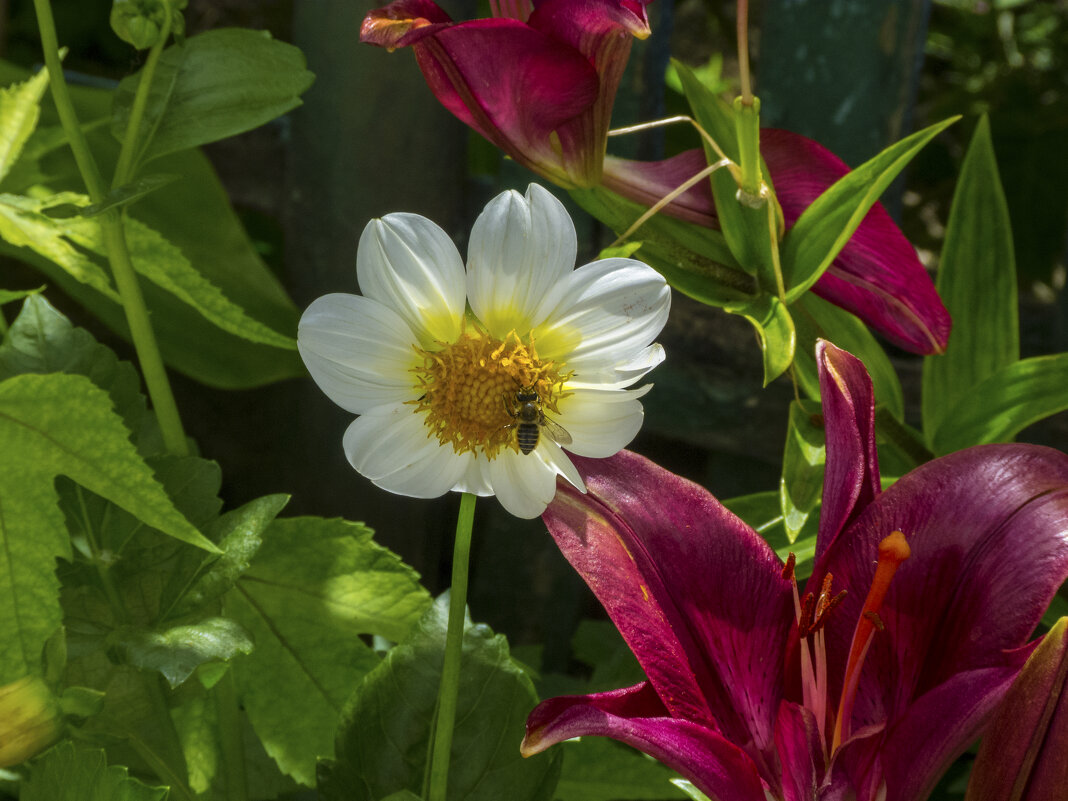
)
(1022, 756)
(30, 720)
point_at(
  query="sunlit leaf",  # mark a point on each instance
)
(69, 773)
(802, 466)
(20, 108)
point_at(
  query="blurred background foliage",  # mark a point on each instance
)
(370, 139)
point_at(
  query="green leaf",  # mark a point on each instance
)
(815, 319)
(598, 643)
(66, 773)
(824, 228)
(123, 196)
(775, 330)
(60, 425)
(176, 652)
(715, 116)
(599, 769)
(762, 511)
(802, 466)
(691, 791)
(140, 22)
(23, 224)
(382, 742)
(977, 282)
(313, 588)
(1011, 399)
(10, 296)
(219, 83)
(198, 580)
(20, 108)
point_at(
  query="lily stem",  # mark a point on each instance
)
(133, 302)
(449, 689)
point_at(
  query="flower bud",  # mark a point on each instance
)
(30, 720)
(1022, 756)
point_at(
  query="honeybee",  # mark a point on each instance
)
(530, 421)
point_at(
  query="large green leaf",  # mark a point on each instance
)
(67, 773)
(824, 228)
(60, 425)
(20, 107)
(1013, 398)
(313, 588)
(815, 319)
(382, 743)
(179, 650)
(217, 84)
(977, 282)
(599, 769)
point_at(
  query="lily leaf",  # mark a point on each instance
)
(1011, 399)
(977, 282)
(825, 227)
(382, 742)
(219, 83)
(775, 329)
(802, 466)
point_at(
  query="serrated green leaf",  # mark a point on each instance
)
(23, 224)
(219, 83)
(198, 580)
(824, 228)
(60, 425)
(815, 319)
(67, 773)
(313, 588)
(802, 466)
(382, 742)
(977, 282)
(599, 769)
(20, 108)
(1011, 399)
(177, 651)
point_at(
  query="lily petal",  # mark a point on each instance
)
(358, 351)
(636, 716)
(409, 264)
(521, 249)
(851, 477)
(697, 595)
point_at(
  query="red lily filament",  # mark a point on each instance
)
(893, 550)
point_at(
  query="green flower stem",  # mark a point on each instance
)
(449, 689)
(133, 302)
(124, 168)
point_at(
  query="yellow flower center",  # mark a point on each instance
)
(468, 389)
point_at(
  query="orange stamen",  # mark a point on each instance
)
(893, 550)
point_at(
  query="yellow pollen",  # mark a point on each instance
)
(468, 389)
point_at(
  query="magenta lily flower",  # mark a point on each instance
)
(877, 276)
(538, 81)
(866, 686)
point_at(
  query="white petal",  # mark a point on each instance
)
(474, 479)
(621, 376)
(358, 351)
(524, 483)
(520, 249)
(389, 445)
(409, 264)
(555, 456)
(606, 313)
(602, 422)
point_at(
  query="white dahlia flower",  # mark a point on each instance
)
(471, 380)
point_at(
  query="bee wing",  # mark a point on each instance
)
(557, 433)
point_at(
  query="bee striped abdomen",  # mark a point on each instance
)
(526, 436)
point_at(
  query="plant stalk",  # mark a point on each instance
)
(449, 689)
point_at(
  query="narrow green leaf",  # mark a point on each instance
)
(20, 108)
(599, 769)
(123, 196)
(825, 227)
(176, 652)
(219, 83)
(60, 425)
(382, 742)
(1011, 399)
(691, 792)
(67, 773)
(775, 330)
(711, 113)
(9, 296)
(815, 319)
(314, 586)
(802, 466)
(977, 282)
(763, 512)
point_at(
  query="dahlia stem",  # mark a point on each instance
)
(449, 689)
